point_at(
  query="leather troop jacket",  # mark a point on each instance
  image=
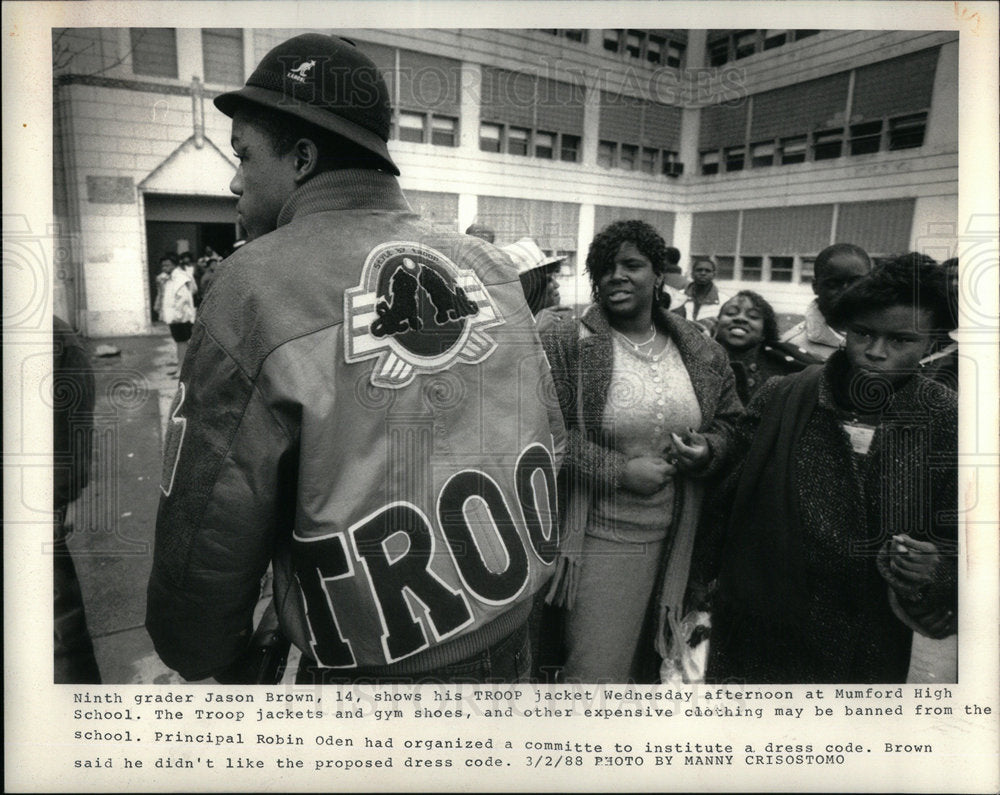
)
(364, 403)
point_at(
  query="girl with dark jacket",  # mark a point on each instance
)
(841, 534)
(748, 330)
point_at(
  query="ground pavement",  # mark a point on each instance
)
(114, 518)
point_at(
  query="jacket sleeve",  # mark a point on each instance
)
(585, 459)
(227, 489)
(711, 536)
(720, 429)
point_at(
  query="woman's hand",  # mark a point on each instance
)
(691, 450)
(647, 474)
(553, 316)
(913, 562)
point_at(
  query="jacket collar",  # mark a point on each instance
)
(818, 331)
(346, 189)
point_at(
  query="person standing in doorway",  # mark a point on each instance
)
(177, 306)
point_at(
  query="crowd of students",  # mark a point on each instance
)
(811, 524)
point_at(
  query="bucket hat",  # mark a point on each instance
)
(528, 256)
(326, 81)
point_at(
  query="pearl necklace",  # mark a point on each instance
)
(636, 346)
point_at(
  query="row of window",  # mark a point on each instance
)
(630, 157)
(731, 46)
(154, 53)
(514, 140)
(770, 268)
(653, 47)
(899, 132)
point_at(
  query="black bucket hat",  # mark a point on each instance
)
(326, 81)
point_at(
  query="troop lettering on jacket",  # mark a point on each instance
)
(365, 403)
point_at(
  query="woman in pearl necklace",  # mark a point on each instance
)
(655, 411)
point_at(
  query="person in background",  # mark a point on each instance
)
(537, 273)
(167, 263)
(177, 306)
(657, 402)
(365, 407)
(941, 364)
(482, 231)
(209, 264)
(673, 294)
(840, 540)
(837, 267)
(748, 330)
(186, 263)
(73, 395)
(702, 298)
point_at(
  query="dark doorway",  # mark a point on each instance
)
(182, 223)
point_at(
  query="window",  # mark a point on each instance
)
(793, 150)
(774, 38)
(725, 267)
(569, 148)
(545, 145)
(444, 131)
(411, 127)
(675, 54)
(746, 43)
(752, 268)
(907, 132)
(735, 156)
(827, 144)
(710, 162)
(808, 270)
(573, 34)
(654, 49)
(633, 44)
(222, 55)
(611, 38)
(606, 153)
(154, 51)
(802, 34)
(628, 156)
(517, 141)
(648, 161)
(866, 137)
(781, 269)
(489, 137)
(762, 154)
(718, 52)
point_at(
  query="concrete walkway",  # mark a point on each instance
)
(114, 518)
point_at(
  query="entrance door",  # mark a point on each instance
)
(176, 224)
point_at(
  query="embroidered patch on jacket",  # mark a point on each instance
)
(417, 312)
(174, 441)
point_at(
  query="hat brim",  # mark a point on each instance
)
(229, 103)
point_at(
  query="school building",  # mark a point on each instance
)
(756, 147)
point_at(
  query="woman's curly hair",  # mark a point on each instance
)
(604, 248)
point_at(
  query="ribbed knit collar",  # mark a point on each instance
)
(346, 189)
